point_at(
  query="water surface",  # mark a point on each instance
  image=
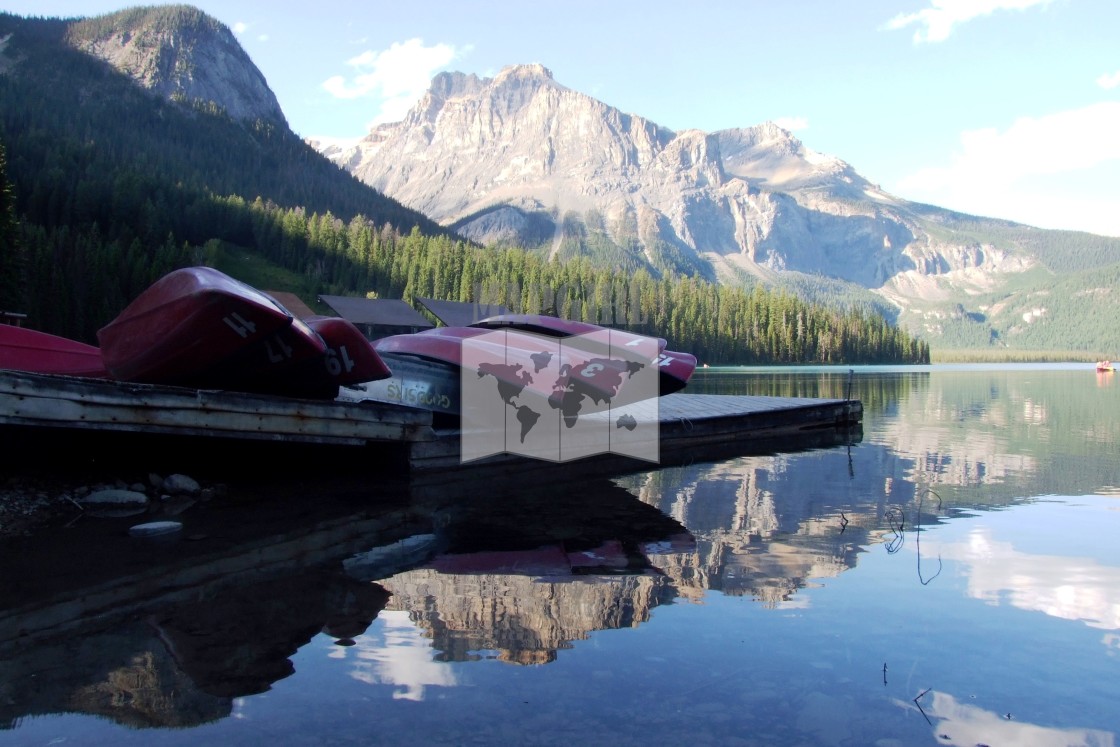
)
(950, 577)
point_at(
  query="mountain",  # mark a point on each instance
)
(143, 140)
(168, 92)
(179, 53)
(519, 159)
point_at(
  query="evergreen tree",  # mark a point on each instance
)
(12, 270)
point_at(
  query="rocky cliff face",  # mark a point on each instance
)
(519, 139)
(178, 52)
(526, 619)
(521, 159)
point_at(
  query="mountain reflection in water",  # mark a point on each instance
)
(157, 634)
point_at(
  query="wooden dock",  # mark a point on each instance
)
(690, 426)
(46, 401)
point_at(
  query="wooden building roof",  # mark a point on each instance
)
(379, 312)
(461, 313)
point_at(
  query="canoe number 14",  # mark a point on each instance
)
(239, 324)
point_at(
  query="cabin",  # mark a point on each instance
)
(378, 317)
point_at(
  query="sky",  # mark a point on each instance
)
(1001, 108)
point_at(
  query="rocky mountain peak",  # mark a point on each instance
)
(532, 72)
(449, 85)
(179, 52)
(770, 155)
(514, 80)
(770, 135)
(517, 86)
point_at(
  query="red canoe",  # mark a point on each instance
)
(586, 372)
(290, 362)
(552, 326)
(187, 326)
(201, 328)
(312, 358)
(350, 357)
(38, 352)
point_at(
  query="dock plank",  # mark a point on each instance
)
(75, 403)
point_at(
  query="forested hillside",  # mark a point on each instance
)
(114, 186)
(107, 187)
(718, 324)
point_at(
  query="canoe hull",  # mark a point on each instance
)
(200, 328)
(350, 357)
(32, 351)
(187, 326)
(415, 382)
(427, 365)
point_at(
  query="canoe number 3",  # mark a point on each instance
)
(591, 370)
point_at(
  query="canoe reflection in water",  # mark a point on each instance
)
(518, 584)
(159, 635)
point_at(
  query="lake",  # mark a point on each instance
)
(950, 576)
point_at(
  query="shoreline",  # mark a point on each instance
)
(30, 504)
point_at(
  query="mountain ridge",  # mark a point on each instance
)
(521, 160)
(452, 159)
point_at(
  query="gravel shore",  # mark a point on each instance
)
(28, 504)
(32, 504)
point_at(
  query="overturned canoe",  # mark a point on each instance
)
(188, 326)
(32, 351)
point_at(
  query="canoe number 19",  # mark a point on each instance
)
(339, 361)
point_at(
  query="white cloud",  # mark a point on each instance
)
(1064, 141)
(398, 76)
(793, 124)
(1017, 173)
(240, 27)
(936, 22)
(1108, 81)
